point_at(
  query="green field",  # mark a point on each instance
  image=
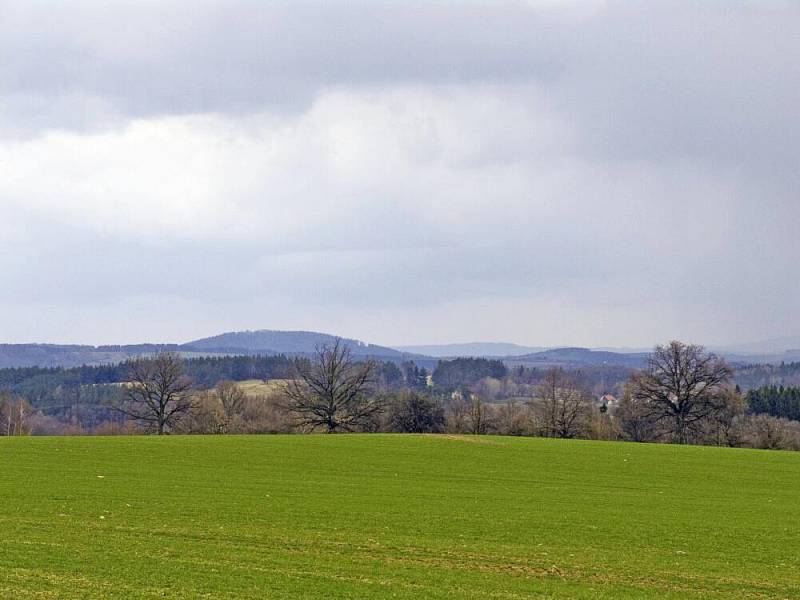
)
(394, 516)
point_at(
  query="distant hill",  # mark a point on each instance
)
(577, 357)
(72, 355)
(777, 358)
(268, 341)
(476, 349)
(284, 342)
(241, 342)
(790, 344)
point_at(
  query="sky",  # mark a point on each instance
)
(589, 173)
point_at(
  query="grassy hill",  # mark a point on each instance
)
(394, 516)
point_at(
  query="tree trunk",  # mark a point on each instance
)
(681, 435)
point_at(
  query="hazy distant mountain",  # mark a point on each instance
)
(772, 346)
(495, 349)
(241, 342)
(623, 349)
(741, 358)
(266, 341)
(283, 342)
(72, 355)
(577, 357)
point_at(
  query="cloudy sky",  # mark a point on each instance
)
(543, 172)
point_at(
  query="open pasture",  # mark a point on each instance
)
(259, 387)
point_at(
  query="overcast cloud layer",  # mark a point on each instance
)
(592, 173)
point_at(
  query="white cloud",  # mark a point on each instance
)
(552, 173)
(432, 154)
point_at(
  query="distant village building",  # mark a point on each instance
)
(607, 402)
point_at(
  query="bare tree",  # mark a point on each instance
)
(412, 412)
(477, 416)
(564, 401)
(456, 414)
(206, 416)
(7, 413)
(332, 391)
(724, 428)
(635, 421)
(682, 386)
(157, 392)
(513, 419)
(14, 414)
(768, 432)
(231, 398)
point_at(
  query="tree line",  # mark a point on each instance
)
(778, 401)
(204, 371)
(684, 395)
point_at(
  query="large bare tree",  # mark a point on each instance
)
(157, 392)
(682, 386)
(564, 401)
(331, 392)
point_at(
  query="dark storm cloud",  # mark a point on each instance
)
(147, 59)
